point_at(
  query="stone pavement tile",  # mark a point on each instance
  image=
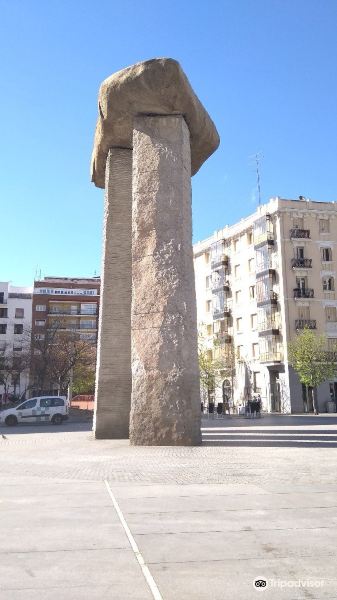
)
(74, 575)
(254, 520)
(233, 580)
(174, 490)
(18, 497)
(180, 547)
(232, 502)
(55, 527)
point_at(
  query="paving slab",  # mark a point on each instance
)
(206, 520)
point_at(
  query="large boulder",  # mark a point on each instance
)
(154, 87)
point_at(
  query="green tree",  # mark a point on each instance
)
(309, 358)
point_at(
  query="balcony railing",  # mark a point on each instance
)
(261, 239)
(72, 313)
(268, 298)
(221, 260)
(269, 325)
(301, 263)
(271, 357)
(217, 287)
(221, 313)
(299, 233)
(223, 338)
(303, 293)
(305, 324)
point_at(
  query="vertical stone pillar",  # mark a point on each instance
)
(165, 408)
(113, 375)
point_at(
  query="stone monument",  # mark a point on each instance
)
(152, 134)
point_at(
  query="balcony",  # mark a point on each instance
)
(269, 298)
(269, 327)
(223, 338)
(217, 287)
(305, 324)
(271, 357)
(299, 233)
(303, 293)
(66, 312)
(301, 263)
(221, 260)
(221, 313)
(266, 238)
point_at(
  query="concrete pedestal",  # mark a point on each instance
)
(113, 376)
(165, 376)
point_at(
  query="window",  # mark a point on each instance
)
(237, 271)
(255, 350)
(41, 307)
(251, 265)
(256, 381)
(40, 323)
(332, 344)
(253, 321)
(249, 237)
(301, 283)
(298, 222)
(19, 313)
(18, 329)
(45, 402)
(304, 312)
(207, 256)
(17, 348)
(57, 402)
(252, 292)
(29, 404)
(209, 330)
(39, 336)
(3, 313)
(239, 324)
(328, 284)
(331, 313)
(324, 226)
(208, 305)
(3, 328)
(2, 297)
(238, 296)
(208, 282)
(239, 351)
(300, 252)
(236, 245)
(326, 254)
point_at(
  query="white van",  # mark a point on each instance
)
(42, 408)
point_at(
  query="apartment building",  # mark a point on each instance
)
(68, 304)
(15, 326)
(258, 283)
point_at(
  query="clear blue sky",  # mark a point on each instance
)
(266, 70)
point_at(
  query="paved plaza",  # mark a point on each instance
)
(98, 519)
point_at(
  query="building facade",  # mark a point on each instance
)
(15, 327)
(258, 283)
(70, 304)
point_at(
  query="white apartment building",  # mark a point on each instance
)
(258, 283)
(15, 328)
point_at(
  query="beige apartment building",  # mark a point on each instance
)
(258, 283)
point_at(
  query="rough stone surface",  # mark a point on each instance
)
(113, 377)
(165, 376)
(157, 86)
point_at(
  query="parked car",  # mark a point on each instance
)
(41, 408)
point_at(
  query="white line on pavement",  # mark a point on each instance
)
(146, 572)
(292, 434)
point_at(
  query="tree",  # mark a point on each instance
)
(59, 354)
(12, 365)
(311, 361)
(216, 360)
